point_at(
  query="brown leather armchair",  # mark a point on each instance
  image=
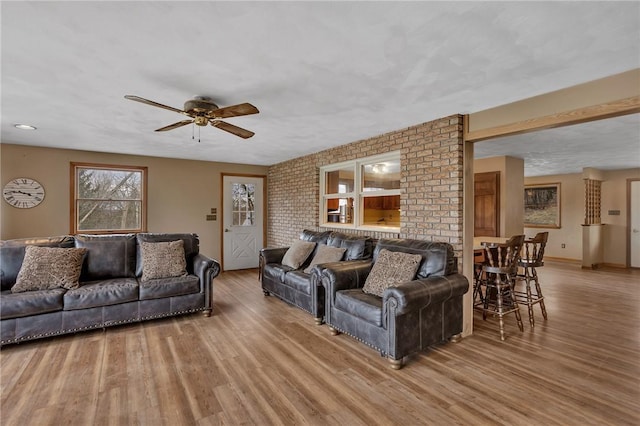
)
(410, 316)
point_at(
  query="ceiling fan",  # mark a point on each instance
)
(203, 111)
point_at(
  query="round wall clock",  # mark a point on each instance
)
(23, 193)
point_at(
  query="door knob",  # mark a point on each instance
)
(226, 230)
(636, 231)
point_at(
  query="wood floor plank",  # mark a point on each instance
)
(260, 361)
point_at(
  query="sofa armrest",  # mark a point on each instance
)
(417, 294)
(273, 255)
(206, 269)
(344, 275)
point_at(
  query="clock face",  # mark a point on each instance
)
(23, 193)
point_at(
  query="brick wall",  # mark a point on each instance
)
(431, 158)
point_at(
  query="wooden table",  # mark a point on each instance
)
(477, 241)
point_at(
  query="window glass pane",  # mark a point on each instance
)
(243, 204)
(109, 215)
(108, 198)
(109, 184)
(339, 210)
(381, 175)
(382, 211)
(339, 181)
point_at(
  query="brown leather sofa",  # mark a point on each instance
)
(111, 291)
(410, 316)
(301, 289)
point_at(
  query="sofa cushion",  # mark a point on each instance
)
(298, 253)
(16, 305)
(191, 247)
(437, 258)
(357, 247)
(299, 281)
(325, 254)
(101, 293)
(45, 268)
(167, 287)
(362, 305)
(108, 256)
(391, 268)
(163, 260)
(12, 254)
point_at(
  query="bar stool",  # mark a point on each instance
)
(532, 259)
(498, 279)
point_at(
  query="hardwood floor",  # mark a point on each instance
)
(260, 361)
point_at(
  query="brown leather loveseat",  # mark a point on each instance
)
(300, 283)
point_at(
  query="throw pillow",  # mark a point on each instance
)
(163, 260)
(391, 268)
(325, 254)
(298, 253)
(44, 268)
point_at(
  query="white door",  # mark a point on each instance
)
(634, 229)
(242, 221)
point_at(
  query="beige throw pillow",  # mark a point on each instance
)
(163, 260)
(326, 254)
(298, 253)
(391, 268)
(45, 268)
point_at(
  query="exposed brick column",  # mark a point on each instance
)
(432, 166)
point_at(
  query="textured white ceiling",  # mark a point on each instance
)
(609, 144)
(322, 73)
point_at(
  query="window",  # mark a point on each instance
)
(108, 199)
(361, 193)
(244, 195)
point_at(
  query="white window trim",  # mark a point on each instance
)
(358, 194)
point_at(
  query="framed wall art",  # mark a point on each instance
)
(542, 205)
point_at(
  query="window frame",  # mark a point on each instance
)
(358, 194)
(73, 186)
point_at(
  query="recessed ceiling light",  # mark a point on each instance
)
(24, 127)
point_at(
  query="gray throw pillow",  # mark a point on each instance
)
(45, 268)
(391, 268)
(325, 254)
(298, 253)
(163, 260)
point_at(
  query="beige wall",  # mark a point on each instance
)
(511, 189)
(613, 237)
(614, 197)
(180, 192)
(571, 216)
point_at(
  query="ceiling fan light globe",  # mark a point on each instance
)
(201, 120)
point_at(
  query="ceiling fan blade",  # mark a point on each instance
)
(174, 125)
(238, 131)
(152, 103)
(234, 111)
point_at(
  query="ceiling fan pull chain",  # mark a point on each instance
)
(198, 134)
(193, 132)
